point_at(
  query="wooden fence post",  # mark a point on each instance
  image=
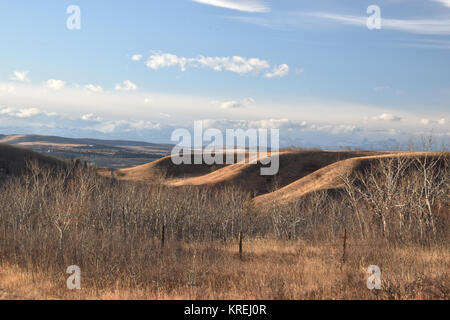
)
(163, 236)
(344, 245)
(240, 245)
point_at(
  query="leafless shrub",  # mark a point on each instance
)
(399, 198)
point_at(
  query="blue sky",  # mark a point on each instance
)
(139, 69)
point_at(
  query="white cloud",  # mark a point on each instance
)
(20, 76)
(136, 57)
(7, 111)
(27, 113)
(292, 132)
(90, 117)
(93, 88)
(387, 117)
(285, 124)
(233, 104)
(157, 61)
(278, 71)
(23, 113)
(127, 86)
(240, 5)
(418, 26)
(55, 84)
(40, 121)
(236, 64)
(445, 3)
(142, 124)
(122, 104)
(440, 122)
(125, 126)
(74, 102)
(336, 129)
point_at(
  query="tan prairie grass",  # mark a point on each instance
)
(330, 176)
(270, 269)
(395, 211)
(294, 165)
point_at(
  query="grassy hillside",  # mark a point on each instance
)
(294, 165)
(331, 177)
(13, 160)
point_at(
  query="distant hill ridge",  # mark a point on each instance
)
(19, 139)
(13, 160)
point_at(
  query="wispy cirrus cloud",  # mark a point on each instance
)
(239, 5)
(445, 3)
(416, 26)
(294, 20)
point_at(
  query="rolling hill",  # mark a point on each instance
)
(13, 159)
(294, 165)
(301, 172)
(326, 178)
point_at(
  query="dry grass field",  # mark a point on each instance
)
(270, 269)
(148, 235)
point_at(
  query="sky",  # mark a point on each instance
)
(141, 69)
